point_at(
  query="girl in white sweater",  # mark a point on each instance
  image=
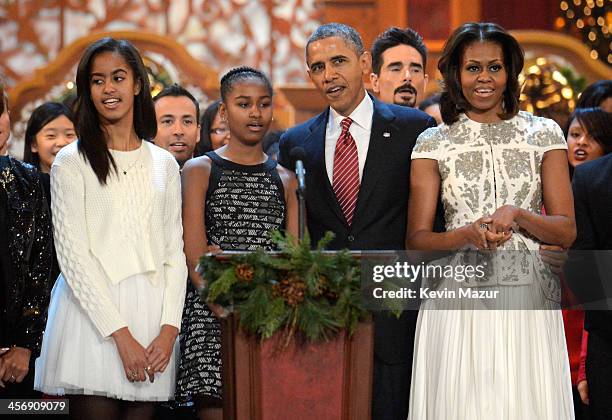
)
(116, 309)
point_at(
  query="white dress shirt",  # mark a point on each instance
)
(360, 130)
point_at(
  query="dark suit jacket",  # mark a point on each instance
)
(380, 218)
(592, 185)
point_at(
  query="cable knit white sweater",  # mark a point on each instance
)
(107, 233)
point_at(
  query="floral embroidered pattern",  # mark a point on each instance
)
(485, 166)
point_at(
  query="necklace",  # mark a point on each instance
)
(129, 168)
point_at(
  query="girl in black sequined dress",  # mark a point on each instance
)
(232, 198)
(26, 256)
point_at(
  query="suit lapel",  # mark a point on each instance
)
(382, 133)
(315, 149)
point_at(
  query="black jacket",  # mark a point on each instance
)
(380, 218)
(592, 186)
(27, 256)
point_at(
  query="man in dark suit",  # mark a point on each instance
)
(593, 206)
(357, 165)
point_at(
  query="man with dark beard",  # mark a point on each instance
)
(398, 74)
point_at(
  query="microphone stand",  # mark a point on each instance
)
(301, 213)
(300, 173)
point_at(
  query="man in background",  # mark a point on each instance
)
(399, 57)
(352, 148)
(178, 127)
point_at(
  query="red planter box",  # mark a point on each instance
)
(325, 381)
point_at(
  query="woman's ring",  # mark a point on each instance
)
(484, 226)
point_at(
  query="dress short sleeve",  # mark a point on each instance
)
(551, 137)
(428, 145)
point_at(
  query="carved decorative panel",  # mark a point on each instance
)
(268, 34)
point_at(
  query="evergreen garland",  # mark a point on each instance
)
(295, 290)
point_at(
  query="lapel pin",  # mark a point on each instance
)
(386, 135)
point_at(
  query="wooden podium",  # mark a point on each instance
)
(330, 380)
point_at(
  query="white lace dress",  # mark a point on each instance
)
(472, 362)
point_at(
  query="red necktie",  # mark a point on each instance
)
(346, 171)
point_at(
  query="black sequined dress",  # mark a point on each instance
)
(243, 204)
(26, 256)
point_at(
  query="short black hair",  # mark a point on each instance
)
(237, 74)
(347, 33)
(393, 37)
(39, 118)
(177, 91)
(595, 94)
(452, 101)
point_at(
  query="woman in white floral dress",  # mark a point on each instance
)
(494, 167)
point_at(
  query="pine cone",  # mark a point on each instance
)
(291, 289)
(244, 272)
(322, 286)
(294, 294)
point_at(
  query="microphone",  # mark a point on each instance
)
(297, 155)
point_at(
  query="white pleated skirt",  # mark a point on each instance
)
(75, 359)
(490, 364)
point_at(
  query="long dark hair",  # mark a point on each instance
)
(92, 140)
(452, 101)
(206, 122)
(40, 117)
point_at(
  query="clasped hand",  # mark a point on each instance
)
(14, 364)
(490, 232)
(140, 363)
